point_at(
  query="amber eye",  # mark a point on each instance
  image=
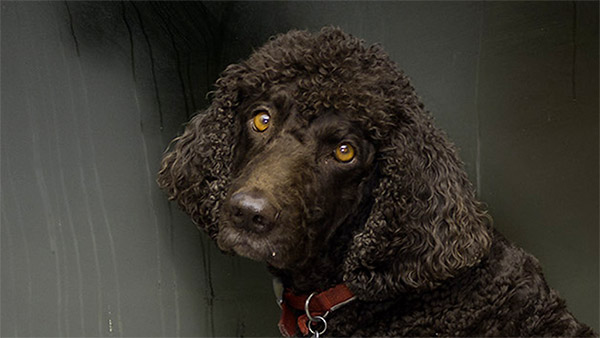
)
(261, 121)
(344, 152)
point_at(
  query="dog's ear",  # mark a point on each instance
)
(425, 225)
(195, 172)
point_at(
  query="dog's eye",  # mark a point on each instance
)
(261, 121)
(344, 152)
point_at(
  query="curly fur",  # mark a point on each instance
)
(409, 239)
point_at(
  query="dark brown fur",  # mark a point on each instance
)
(399, 224)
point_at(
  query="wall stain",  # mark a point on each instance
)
(11, 265)
(24, 244)
(478, 187)
(72, 28)
(152, 64)
(574, 56)
(209, 292)
(159, 264)
(188, 65)
(166, 25)
(49, 215)
(101, 198)
(131, 45)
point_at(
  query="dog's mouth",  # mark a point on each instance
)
(259, 248)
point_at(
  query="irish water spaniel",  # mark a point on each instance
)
(317, 157)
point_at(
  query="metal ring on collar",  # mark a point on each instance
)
(306, 304)
(317, 318)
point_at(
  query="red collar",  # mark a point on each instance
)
(293, 314)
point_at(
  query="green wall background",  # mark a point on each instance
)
(92, 92)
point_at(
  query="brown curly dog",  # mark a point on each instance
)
(317, 157)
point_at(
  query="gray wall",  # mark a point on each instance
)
(91, 95)
(93, 92)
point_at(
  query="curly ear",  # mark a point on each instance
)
(196, 172)
(425, 224)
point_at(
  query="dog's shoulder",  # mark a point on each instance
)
(516, 296)
(506, 294)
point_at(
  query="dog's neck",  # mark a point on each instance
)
(318, 274)
(323, 269)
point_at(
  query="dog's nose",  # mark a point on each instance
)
(252, 211)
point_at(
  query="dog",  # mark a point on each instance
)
(317, 157)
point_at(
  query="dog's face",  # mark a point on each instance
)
(316, 149)
(295, 179)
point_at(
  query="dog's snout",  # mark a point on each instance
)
(252, 211)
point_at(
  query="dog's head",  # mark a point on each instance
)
(316, 135)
